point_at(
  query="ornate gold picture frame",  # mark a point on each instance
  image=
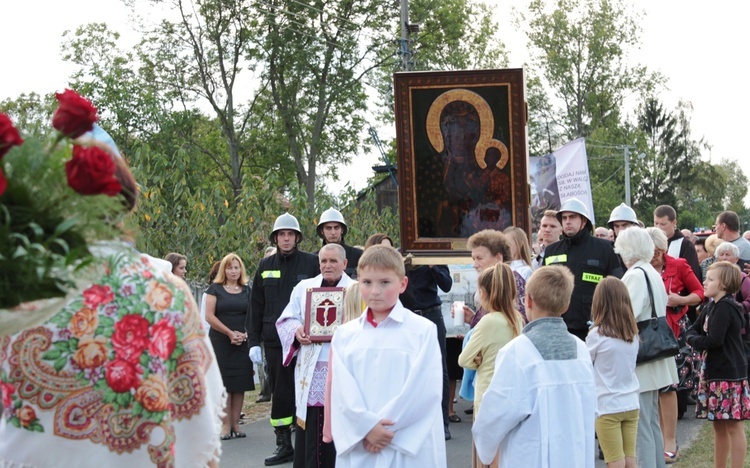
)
(324, 312)
(462, 157)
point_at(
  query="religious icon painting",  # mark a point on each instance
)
(324, 312)
(462, 157)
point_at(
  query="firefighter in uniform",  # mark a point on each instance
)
(274, 280)
(589, 259)
(332, 229)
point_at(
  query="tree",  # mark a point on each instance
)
(670, 156)
(453, 35)
(735, 185)
(580, 57)
(31, 113)
(316, 56)
(129, 104)
(200, 56)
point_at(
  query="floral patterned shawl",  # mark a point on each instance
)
(122, 375)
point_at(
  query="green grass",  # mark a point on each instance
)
(701, 451)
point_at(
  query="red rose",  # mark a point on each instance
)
(91, 171)
(75, 116)
(97, 295)
(130, 337)
(9, 136)
(3, 182)
(121, 375)
(7, 390)
(163, 339)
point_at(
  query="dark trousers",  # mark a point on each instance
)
(282, 397)
(309, 449)
(435, 315)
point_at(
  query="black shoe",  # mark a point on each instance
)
(263, 399)
(447, 433)
(469, 411)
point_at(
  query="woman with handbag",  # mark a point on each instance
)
(683, 290)
(723, 392)
(649, 298)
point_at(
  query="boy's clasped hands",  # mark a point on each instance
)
(379, 436)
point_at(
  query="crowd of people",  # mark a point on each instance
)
(550, 359)
(613, 278)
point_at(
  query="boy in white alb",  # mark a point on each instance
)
(539, 408)
(386, 386)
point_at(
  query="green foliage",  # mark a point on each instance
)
(580, 56)
(205, 224)
(316, 58)
(31, 113)
(453, 35)
(45, 226)
(670, 156)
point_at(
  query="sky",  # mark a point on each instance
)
(697, 47)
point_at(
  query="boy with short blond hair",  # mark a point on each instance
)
(386, 376)
(539, 409)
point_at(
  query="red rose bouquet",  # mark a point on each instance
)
(55, 199)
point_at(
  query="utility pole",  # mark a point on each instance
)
(627, 176)
(405, 47)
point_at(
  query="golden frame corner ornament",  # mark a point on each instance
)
(462, 157)
(324, 312)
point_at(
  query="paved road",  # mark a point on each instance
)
(260, 442)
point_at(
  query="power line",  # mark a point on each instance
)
(605, 180)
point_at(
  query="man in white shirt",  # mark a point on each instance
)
(550, 231)
(728, 229)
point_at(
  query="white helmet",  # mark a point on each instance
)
(622, 212)
(285, 221)
(574, 205)
(331, 215)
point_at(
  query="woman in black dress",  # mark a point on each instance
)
(227, 300)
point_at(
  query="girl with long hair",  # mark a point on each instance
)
(613, 345)
(502, 323)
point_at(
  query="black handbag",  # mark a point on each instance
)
(657, 340)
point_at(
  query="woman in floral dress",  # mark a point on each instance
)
(723, 392)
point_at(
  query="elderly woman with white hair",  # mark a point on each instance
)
(728, 252)
(635, 247)
(683, 290)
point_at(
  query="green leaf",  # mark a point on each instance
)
(137, 409)
(124, 399)
(15, 421)
(60, 363)
(51, 355)
(106, 322)
(36, 427)
(62, 345)
(109, 395)
(65, 226)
